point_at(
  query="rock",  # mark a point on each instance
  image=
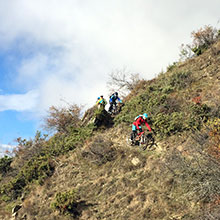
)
(16, 208)
(14, 214)
(135, 161)
(23, 197)
(88, 116)
(24, 217)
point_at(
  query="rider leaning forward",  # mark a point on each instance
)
(101, 102)
(112, 101)
(139, 120)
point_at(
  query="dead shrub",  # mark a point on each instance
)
(197, 100)
(60, 119)
(204, 36)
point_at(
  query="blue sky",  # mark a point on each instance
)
(14, 126)
(52, 50)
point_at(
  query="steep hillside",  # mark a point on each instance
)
(90, 174)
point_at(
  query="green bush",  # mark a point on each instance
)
(35, 170)
(171, 67)
(180, 80)
(214, 133)
(168, 89)
(203, 38)
(167, 124)
(66, 203)
(63, 143)
(40, 165)
(197, 114)
(5, 163)
(168, 113)
(200, 49)
(27, 149)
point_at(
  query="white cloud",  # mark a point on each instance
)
(4, 149)
(19, 102)
(69, 47)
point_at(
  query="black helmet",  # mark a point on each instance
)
(116, 93)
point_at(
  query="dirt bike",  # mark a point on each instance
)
(142, 139)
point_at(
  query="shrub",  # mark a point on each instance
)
(26, 149)
(171, 67)
(197, 114)
(66, 203)
(180, 80)
(5, 163)
(202, 39)
(185, 52)
(214, 127)
(204, 36)
(36, 169)
(199, 50)
(168, 113)
(167, 124)
(197, 100)
(59, 119)
(63, 143)
(38, 164)
(168, 89)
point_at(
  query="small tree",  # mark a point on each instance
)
(204, 36)
(60, 119)
(27, 149)
(122, 81)
(5, 163)
(202, 39)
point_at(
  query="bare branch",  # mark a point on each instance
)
(122, 81)
(60, 119)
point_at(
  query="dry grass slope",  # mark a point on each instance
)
(178, 179)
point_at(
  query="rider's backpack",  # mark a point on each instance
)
(138, 117)
(113, 97)
(104, 102)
